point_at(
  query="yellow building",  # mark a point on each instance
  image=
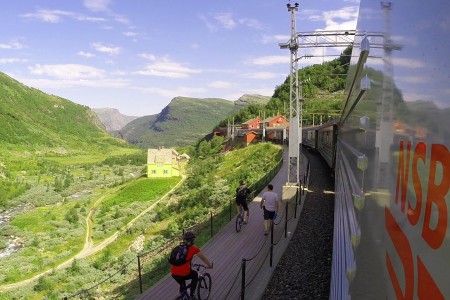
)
(164, 163)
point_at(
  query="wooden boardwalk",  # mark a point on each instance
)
(227, 249)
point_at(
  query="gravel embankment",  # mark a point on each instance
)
(304, 270)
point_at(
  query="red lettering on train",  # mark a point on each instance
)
(419, 153)
(402, 175)
(403, 248)
(436, 195)
(434, 210)
(427, 288)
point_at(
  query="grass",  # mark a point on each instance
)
(79, 159)
(157, 227)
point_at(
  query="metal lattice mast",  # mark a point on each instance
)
(294, 107)
(336, 38)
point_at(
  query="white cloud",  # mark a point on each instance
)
(12, 60)
(263, 75)
(408, 63)
(61, 84)
(148, 56)
(252, 23)
(11, 45)
(111, 50)
(225, 20)
(172, 93)
(55, 16)
(68, 71)
(97, 5)
(220, 84)
(236, 95)
(412, 79)
(270, 60)
(90, 19)
(219, 21)
(85, 54)
(122, 19)
(50, 16)
(340, 19)
(130, 33)
(164, 67)
(266, 39)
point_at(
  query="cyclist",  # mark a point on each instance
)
(184, 272)
(242, 193)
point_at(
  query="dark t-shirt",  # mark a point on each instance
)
(242, 193)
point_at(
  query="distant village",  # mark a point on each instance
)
(272, 129)
(164, 162)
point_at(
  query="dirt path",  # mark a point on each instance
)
(88, 247)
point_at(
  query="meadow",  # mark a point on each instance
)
(109, 205)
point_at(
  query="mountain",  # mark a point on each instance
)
(31, 120)
(183, 121)
(112, 118)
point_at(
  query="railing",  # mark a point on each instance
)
(154, 261)
(267, 248)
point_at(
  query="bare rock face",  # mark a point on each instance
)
(112, 118)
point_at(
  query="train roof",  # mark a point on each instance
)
(327, 124)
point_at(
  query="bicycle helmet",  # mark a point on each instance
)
(242, 182)
(189, 236)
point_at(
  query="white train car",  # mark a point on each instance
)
(391, 233)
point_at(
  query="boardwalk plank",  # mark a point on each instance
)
(227, 249)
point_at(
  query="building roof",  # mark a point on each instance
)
(184, 155)
(266, 120)
(257, 119)
(161, 155)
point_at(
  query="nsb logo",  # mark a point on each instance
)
(417, 220)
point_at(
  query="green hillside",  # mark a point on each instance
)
(34, 121)
(183, 121)
(43, 139)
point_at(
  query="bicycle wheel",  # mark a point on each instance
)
(239, 222)
(204, 287)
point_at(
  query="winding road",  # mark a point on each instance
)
(89, 248)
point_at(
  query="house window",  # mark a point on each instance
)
(153, 171)
(166, 172)
(159, 165)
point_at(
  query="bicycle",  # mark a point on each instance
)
(203, 285)
(240, 219)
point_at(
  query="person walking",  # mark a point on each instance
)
(242, 193)
(270, 204)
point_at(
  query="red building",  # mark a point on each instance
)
(252, 124)
(277, 121)
(250, 137)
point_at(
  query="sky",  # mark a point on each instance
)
(137, 55)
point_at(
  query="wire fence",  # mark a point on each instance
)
(152, 265)
(254, 264)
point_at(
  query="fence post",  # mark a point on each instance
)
(140, 275)
(286, 220)
(296, 203)
(243, 279)
(211, 224)
(271, 242)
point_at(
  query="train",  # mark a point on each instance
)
(389, 152)
(323, 139)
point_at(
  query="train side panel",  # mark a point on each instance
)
(392, 229)
(309, 137)
(326, 138)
